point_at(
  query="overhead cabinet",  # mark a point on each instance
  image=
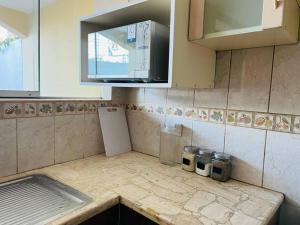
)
(188, 65)
(233, 24)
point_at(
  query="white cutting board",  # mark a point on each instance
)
(114, 130)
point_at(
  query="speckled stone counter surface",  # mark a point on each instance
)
(167, 195)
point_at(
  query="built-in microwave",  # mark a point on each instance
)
(134, 53)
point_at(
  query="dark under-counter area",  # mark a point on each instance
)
(119, 215)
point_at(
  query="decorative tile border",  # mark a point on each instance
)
(70, 108)
(296, 128)
(45, 109)
(30, 109)
(9, 110)
(283, 123)
(263, 121)
(174, 111)
(12, 110)
(231, 117)
(244, 119)
(203, 114)
(191, 113)
(59, 108)
(257, 120)
(216, 115)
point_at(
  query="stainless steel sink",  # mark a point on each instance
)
(37, 200)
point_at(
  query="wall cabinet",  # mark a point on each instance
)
(232, 24)
(190, 65)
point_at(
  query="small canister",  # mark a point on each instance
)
(203, 163)
(221, 167)
(188, 158)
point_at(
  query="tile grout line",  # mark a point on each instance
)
(271, 81)
(17, 147)
(227, 100)
(264, 158)
(194, 101)
(269, 102)
(54, 131)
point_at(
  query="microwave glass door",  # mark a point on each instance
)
(120, 53)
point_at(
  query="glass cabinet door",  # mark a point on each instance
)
(223, 17)
(236, 24)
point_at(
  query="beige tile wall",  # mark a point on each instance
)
(47, 138)
(35, 140)
(260, 80)
(8, 146)
(250, 78)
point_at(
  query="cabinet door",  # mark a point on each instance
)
(196, 27)
(273, 12)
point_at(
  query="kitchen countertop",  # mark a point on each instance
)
(167, 195)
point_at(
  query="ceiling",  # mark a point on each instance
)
(23, 5)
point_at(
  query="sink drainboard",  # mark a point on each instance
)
(37, 200)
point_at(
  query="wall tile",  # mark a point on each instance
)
(263, 121)
(246, 145)
(152, 128)
(69, 131)
(244, 119)
(191, 113)
(70, 108)
(171, 145)
(82, 108)
(216, 116)
(93, 140)
(250, 79)
(35, 143)
(231, 118)
(119, 95)
(175, 111)
(285, 92)
(135, 95)
(30, 109)
(296, 128)
(93, 107)
(156, 96)
(45, 109)
(216, 97)
(12, 110)
(8, 147)
(135, 122)
(145, 132)
(203, 114)
(180, 97)
(208, 135)
(59, 108)
(283, 123)
(282, 165)
(1, 110)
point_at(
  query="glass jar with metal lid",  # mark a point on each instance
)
(203, 162)
(188, 158)
(221, 166)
